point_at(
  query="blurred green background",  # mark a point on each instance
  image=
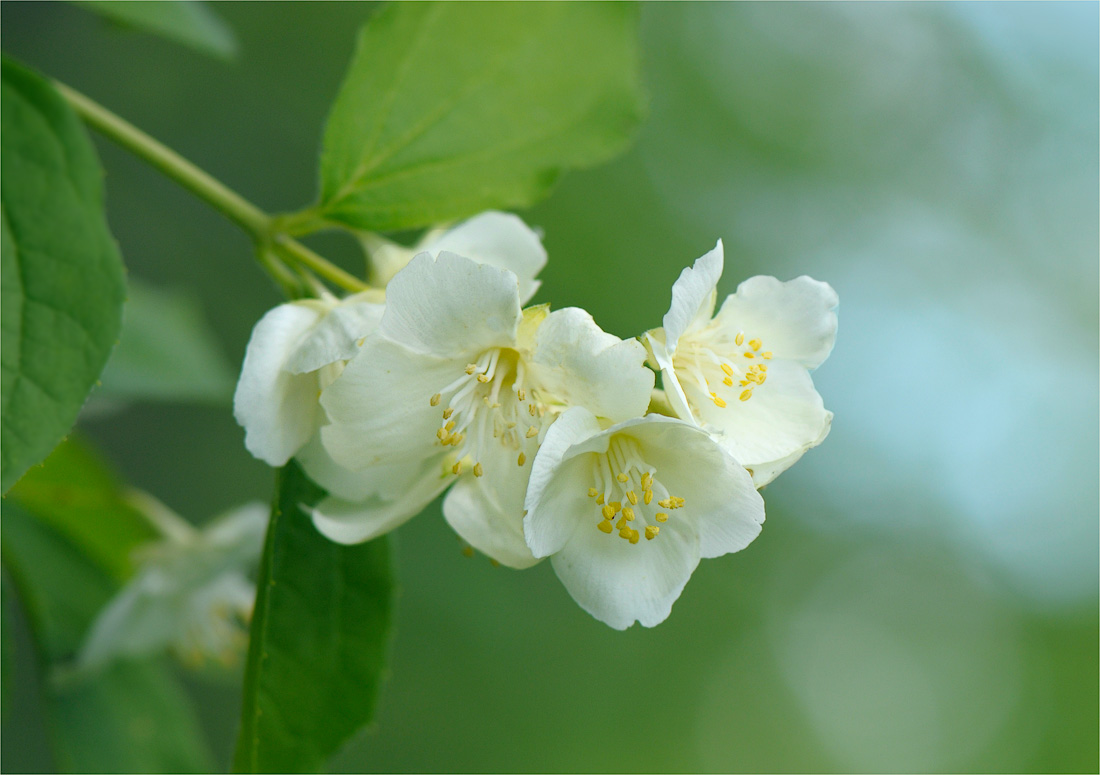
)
(924, 594)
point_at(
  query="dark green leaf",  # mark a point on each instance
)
(320, 636)
(132, 717)
(453, 108)
(62, 278)
(7, 644)
(77, 494)
(167, 352)
(189, 22)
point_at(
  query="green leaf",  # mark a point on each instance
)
(77, 494)
(61, 278)
(167, 352)
(132, 717)
(189, 22)
(320, 637)
(449, 109)
(7, 644)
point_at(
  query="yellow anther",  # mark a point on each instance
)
(746, 395)
(634, 536)
(456, 469)
(647, 497)
(450, 426)
(606, 526)
(457, 439)
(749, 355)
(630, 496)
(760, 379)
(467, 551)
(718, 400)
(744, 382)
(628, 514)
(478, 470)
(441, 434)
(665, 504)
(647, 480)
(764, 366)
(755, 344)
(621, 526)
(448, 412)
(521, 459)
(767, 356)
(661, 516)
(482, 378)
(521, 394)
(607, 512)
(599, 499)
(532, 432)
(532, 410)
(727, 369)
(677, 502)
(739, 339)
(651, 532)
(592, 492)
(472, 367)
(727, 382)
(615, 505)
(623, 478)
(435, 399)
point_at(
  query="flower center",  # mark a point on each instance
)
(721, 367)
(488, 402)
(625, 486)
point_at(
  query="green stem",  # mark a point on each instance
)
(259, 225)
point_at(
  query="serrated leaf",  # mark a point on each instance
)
(320, 635)
(449, 109)
(61, 278)
(189, 22)
(75, 492)
(133, 717)
(167, 352)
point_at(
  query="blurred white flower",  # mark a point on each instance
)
(498, 239)
(459, 385)
(743, 374)
(191, 594)
(627, 512)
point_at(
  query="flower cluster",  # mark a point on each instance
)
(545, 430)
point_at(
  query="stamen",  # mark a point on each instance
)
(521, 394)
(478, 470)
(471, 368)
(607, 512)
(727, 369)
(450, 426)
(746, 395)
(605, 526)
(623, 478)
(599, 499)
(739, 339)
(628, 514)
(448, 412)
(521, 459)
(630, 496)
(718, 401)
(749, 355)
(651, 532)
(661, 516)
(767, 356)
(592, 492)
(647, 497)
(532, 432)
(436, 399)
(755, 344)
(456, 469)
(482, 378)
(727, 382)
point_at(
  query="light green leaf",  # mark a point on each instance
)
(320, 637)
(189, 22)
(167, 352)
(61, 279)
(133, 717)
(449, 109)
(77, 494)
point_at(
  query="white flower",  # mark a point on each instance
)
(744, 375)
(458, 384)
(627, 512)
(191, 594)
(494, 238)
(295, 351)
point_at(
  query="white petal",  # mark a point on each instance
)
(377, 481)
(784, 417)
(497, 239)
(765, 472)
(693, 296)
(451, 306)
(556, 493)
(618, 582)
(380, 408)
(277, 409)
(578, 364)
(488, 514)
(337, 335)
(347, 522)
(796, 320)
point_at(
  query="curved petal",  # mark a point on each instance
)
(347, 522)
(693, 296)
(498, 239)
(277, 409)
(337, 335)
(575, 363)
(764, 472)
(376, 481)
(450, 306)
(618, 582)
(796, 319)
(380, 409)
(488, 514)
(784, 416)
